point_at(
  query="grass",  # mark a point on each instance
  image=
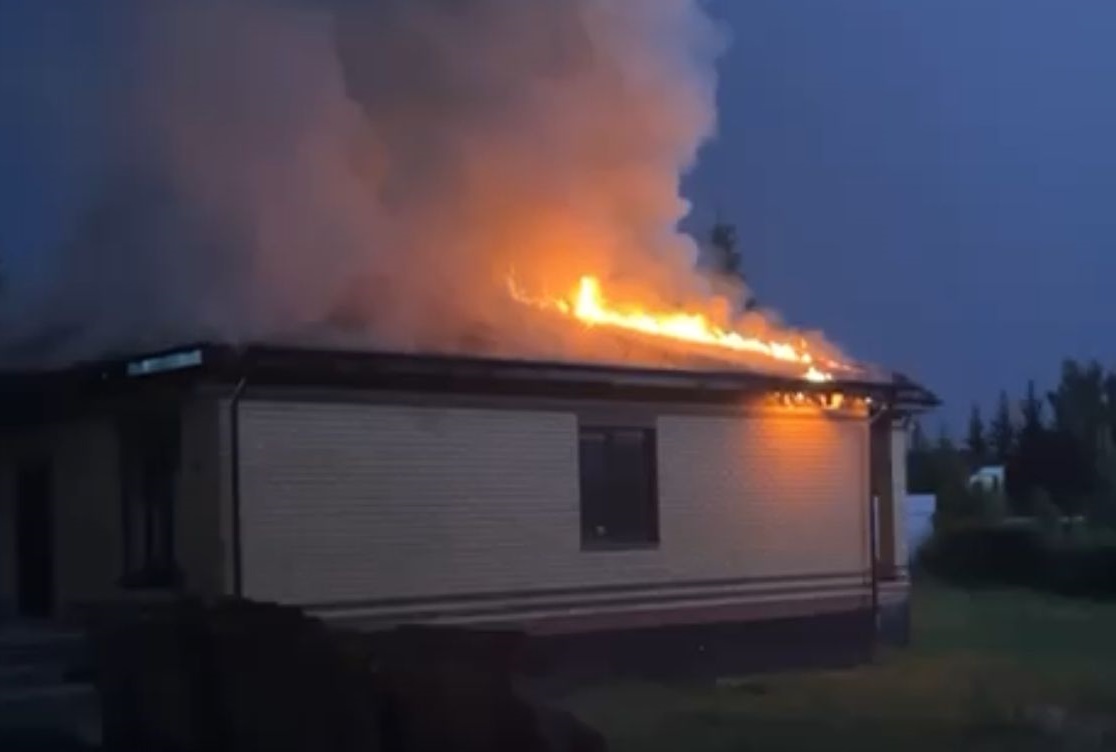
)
(990, 670)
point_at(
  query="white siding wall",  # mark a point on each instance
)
(342, 501)
(356, 502)
(763, 496)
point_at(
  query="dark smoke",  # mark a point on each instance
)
(363, 172)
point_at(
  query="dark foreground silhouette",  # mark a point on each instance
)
(236, 676)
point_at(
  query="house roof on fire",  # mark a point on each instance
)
(269, 365)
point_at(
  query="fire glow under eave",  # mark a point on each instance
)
(589, 305)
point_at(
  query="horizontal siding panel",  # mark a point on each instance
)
(764, 496)
(355, 501)
(359, 502)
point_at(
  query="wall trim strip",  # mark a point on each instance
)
(521, 611)
(619, 588)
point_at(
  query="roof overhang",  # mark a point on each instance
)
(268, 365)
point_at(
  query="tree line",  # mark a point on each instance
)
(1058, 451)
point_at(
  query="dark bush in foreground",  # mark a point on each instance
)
(246, 677)
(1082, 570)
(1022, 556)
(980, 555)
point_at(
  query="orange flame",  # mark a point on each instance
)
(588, 304)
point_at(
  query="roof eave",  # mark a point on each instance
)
(260, 364)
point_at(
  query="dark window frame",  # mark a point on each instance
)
(150, 464)
(601, 500)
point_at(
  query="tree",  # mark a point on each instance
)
(1110, 403)
(1024, 471)
(956, 500)
(723, 238)
(726, 261)
(1001, 432)
(920, 462)
(1031, 410)
(1059, 457)
(1078, 403)
(943, 443)
(1080, 425)
(919, 442)
(1102, 507)
(975, 442)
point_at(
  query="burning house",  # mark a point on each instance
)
(491, 387)
(572, 499)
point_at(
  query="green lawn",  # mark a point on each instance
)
(1003, 670)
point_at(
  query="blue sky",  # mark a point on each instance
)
(928, 181)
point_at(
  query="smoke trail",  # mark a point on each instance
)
(275, 171)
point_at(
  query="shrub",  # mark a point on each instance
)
(985, 555)
(1023, 555)
(1046, 512)
(240, 676)
(1081, 569)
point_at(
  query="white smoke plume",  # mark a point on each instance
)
(310, 171)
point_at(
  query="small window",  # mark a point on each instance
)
(619, 499)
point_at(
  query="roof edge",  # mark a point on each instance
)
(265, 363)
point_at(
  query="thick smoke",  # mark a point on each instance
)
(372, 172)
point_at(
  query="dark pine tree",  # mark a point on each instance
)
(1109, 401)
(1031, 410)
(723, 239)
(1052, 459)
(919, 442)
(1001, 432)
(944, 444)
(1078, 426)
(920, 462)
(975, 440)
(727, 259)
(1025, 469)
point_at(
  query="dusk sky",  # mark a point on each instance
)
(927, 181)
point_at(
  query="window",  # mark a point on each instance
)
(149, 460)
(619, 504)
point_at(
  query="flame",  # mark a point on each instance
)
(826, 401)
(588, 304)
